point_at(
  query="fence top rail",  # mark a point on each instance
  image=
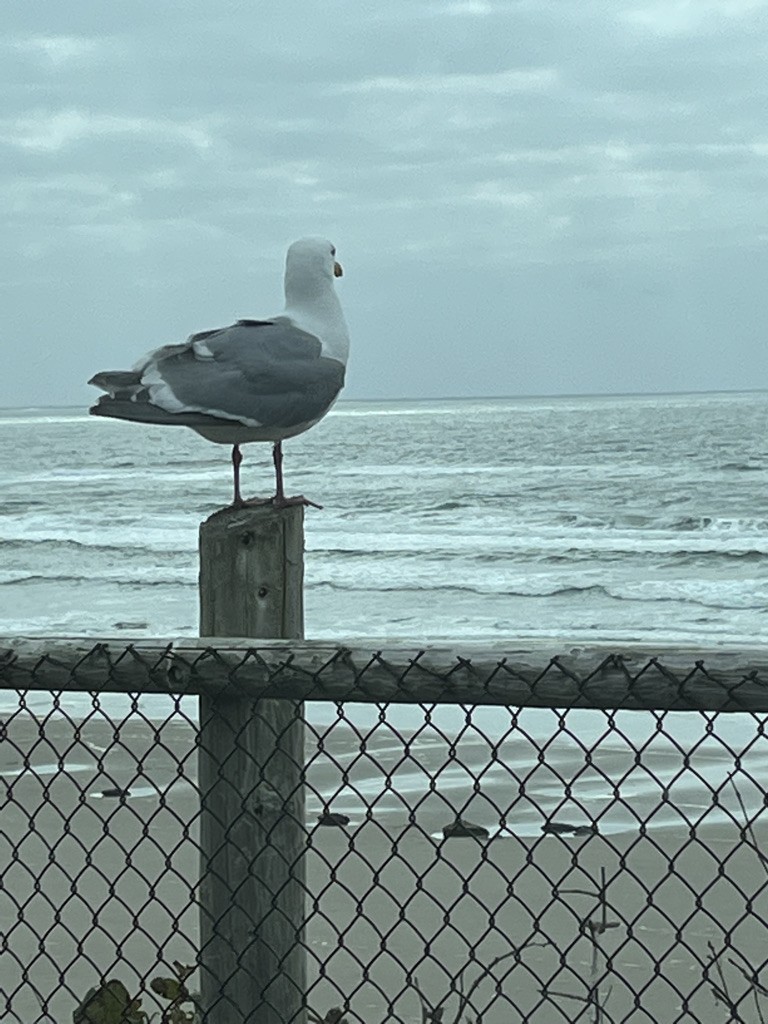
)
(521, 673)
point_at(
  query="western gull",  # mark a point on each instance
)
(258, 380)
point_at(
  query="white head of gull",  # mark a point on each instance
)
(258, 380)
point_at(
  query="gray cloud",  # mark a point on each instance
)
(528, 197)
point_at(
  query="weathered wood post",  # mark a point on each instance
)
(251, 757)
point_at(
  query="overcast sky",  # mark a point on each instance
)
(528, 197)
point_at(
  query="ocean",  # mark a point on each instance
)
(641, 518)
(622, 518)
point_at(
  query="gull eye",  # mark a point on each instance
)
(333, 250)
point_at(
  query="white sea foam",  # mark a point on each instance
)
(585, 519)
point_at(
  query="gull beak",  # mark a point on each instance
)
(337, 271)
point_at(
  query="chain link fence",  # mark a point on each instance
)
(438, 861)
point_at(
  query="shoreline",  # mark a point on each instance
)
(507, 787)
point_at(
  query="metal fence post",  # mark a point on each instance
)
(251, 757)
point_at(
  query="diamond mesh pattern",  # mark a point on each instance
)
(460, 863)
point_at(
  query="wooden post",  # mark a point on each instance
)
(251, 758)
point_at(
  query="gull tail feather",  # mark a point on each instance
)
(113, 381)
(142, 411)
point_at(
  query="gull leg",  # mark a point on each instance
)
(277, 458)
(280, 500)
(237, 458)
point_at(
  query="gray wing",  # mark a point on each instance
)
(260, 373)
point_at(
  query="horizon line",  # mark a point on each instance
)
(485, 398)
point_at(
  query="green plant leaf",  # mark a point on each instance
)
(109, 1004)
(168, 988)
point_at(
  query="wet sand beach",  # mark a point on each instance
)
(102, 884)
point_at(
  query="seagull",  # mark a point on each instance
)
(257, 380)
